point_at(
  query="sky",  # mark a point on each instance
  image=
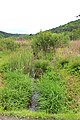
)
(31, 16)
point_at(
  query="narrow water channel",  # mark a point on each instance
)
(33, 103)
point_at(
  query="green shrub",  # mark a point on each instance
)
(42, 42)
(63, 63)
(8, 44)
(39, 67)
(74, 66)
(51, 94)
(71, 65)
(45, 41)
(17, 91)
(76, 34)
(51, 75)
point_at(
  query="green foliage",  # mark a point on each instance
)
(7, 35)
(56, 77)
(67, 27)
(76, 34)
(40, 67)
(27, 37)
(74, 66)
(8, 44)
(17, 91)
(51, 75)
(71, 65)
(1, 35)
(18, 61)
(63, 63)
(42, 41)
(45, 41)
(72, 29)
(51, 93)
(60, 40)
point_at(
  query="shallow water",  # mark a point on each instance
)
(33, 104)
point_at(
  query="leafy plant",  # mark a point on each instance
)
(42, 41)
(45, 41)
(73, 65)
(17, 91)
(51, 94)
(39, 67)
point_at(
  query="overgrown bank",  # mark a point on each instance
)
(52, 62)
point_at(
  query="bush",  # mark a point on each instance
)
(76, 34)
(42, 41)
(39, 67)
(74, 66)
(63, 63)
(51, 94)
(60, 40)
(17, 91)
(45, 41)
(8, 44)
(71, 65)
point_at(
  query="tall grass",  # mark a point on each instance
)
(17, 92)
(51, 93)
(19, 60)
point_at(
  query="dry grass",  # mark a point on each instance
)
(72, 90)
(1, 80)
(24, 43)
(75, 47)
(71, 51)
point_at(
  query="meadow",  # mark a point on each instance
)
(39, 65)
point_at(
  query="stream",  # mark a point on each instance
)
(33, 103)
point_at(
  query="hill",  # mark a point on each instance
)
(67, 27)
(5, 35)
(15, 36)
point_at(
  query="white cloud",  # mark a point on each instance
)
(29, 16)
